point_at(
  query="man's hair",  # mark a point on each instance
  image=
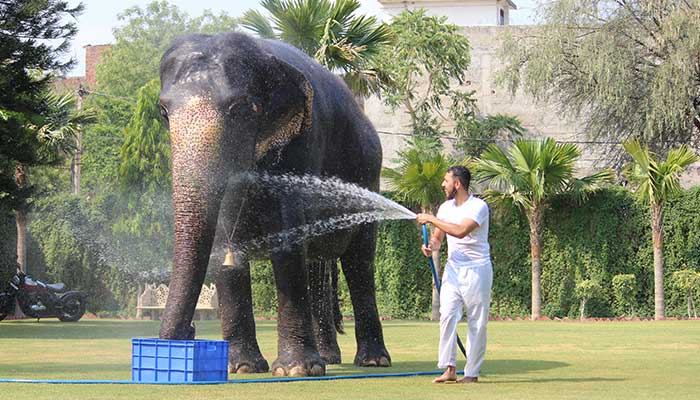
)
(462, 173)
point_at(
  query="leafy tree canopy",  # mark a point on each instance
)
(628, 69)
(147, 32)
(428, 54)
(332, 33)
(34, 35)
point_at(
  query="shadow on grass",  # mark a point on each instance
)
(508, 367)
(484, 380)
(43, 368)
(493, 369)
(490, 367)
(101, 329)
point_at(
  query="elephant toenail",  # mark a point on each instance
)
(317, 370)
(244, 369)
(298, 371)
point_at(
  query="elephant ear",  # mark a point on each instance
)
(287, 107)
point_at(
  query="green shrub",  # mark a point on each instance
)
(624, 288)
(263, 287)
(402, 276)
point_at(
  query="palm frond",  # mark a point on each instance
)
(254, 21)
(299, 22)
(641, 156)
(656, 181)
(581, 188)
(418, 178)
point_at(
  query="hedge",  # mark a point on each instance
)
(608, 236)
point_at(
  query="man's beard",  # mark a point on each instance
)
(451, 196)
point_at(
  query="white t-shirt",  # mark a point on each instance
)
(473, 248)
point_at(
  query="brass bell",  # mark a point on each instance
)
(228, 260)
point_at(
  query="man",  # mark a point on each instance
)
(468, 275)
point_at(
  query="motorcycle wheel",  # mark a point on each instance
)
(73, 308)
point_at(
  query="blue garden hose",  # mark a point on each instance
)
(233, 381)
(437, 281)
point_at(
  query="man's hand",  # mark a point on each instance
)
(427, 251)
(425, 218)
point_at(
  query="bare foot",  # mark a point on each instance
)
(448, 376)
(469, 379)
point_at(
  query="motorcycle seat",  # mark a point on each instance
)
(56, 287)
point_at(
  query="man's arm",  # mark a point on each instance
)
(464, 228)
(435, 241)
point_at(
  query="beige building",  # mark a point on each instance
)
(541, 120)
(458, 12)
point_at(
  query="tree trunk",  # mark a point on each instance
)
(22, 181)
(582, 310)
(535, 219)
(77, 162)
(657, 234)
(690, 302)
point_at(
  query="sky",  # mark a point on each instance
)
(100, 17)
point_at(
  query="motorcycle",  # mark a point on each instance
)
(37, 299)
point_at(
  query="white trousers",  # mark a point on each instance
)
(470, 286)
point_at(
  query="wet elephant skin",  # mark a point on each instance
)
(233, 104)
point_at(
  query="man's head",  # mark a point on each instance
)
(456, 179)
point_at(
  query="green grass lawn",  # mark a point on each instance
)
(525, 360)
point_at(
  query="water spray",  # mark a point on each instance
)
(437, 280)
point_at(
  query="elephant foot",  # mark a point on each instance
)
(330, 355)
(185, 333)
(299, 366)
(246, 362)
(372, 356)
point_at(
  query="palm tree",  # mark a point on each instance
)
(656, 181)
(417, 180)
(56, 133)
(528, 176)
(331, 33)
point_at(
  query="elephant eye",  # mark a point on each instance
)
(163, 111)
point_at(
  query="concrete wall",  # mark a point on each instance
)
(540, 119)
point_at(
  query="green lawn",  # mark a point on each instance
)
(525, 360)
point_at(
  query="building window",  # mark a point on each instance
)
(501, 17)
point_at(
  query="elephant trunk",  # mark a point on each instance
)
(198, 185)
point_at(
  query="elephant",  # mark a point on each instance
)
(234, 103)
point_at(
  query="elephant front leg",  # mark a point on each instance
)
(297, 354)
(184, 289)
(237, 322)
(358, 268)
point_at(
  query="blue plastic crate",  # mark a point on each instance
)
(157, 360)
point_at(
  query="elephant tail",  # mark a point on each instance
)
(337, 314)
(323, 295)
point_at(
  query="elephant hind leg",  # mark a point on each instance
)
(237, 323)
(358, 268)
(323, 295)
